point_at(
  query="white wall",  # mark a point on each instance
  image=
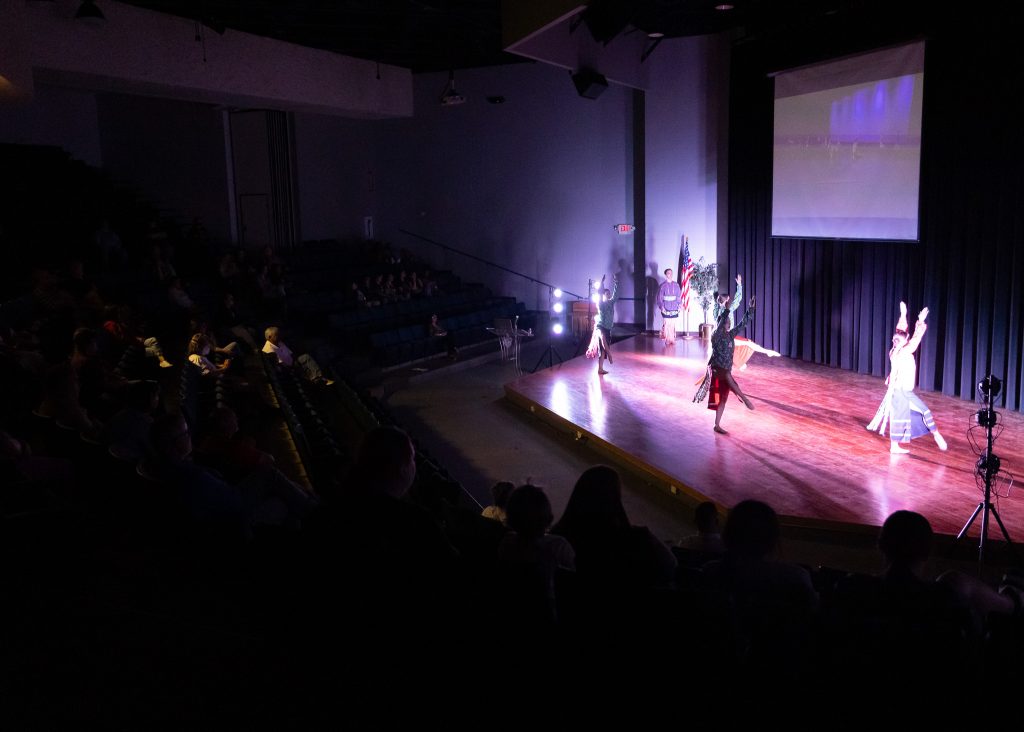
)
(686, 163)
(535, 184)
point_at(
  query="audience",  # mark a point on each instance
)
(383, 569)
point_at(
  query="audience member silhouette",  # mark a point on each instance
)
(708, 539)
(772, 602)
(529, 557)
(234, 456)
(902, 623)
(389, 550)
(127, 433)
(265, 497)
(610, 551)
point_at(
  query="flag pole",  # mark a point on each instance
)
(684, 276)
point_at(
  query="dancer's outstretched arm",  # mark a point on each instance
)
(919, 330)
(738, 297)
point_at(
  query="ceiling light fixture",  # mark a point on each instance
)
(450, 97)
(724, 6)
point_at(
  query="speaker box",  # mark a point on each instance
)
(589, 84)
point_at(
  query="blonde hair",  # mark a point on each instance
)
(270, 332)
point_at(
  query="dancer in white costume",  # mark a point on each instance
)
(901, 410)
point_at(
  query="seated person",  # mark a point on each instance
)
(121, 327)
(126, 434)
(264, 497)
(304, 363)
(438, 331)
(200, 350)
(221, 355)
(708, 538)
(101, 390)
(223, 449)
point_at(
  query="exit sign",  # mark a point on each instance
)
(625, 228)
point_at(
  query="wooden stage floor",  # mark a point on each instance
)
(804, 450)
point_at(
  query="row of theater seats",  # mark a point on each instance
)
(198, 397)
(405, 312)
(320, 451)
(414, 342)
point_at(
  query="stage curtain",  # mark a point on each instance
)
(836, 302)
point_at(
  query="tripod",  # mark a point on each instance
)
(988, 466)
(550, 354)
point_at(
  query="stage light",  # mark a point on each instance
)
(558, 292)
(595, 298)
(558, 307)
(557, 329)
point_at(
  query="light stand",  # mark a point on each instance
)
(987, 468)
(550, 353)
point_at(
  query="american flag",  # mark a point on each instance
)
(685, 272)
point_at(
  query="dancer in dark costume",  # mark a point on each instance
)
(718, 380)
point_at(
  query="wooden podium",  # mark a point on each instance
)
(583, 314)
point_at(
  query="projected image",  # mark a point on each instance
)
(847, 155)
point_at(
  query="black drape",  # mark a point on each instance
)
(835, 302)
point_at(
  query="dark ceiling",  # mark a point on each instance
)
(437, 35)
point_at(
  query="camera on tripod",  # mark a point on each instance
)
(988, 470)
(989, 388)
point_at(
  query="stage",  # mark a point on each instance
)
(804, 449)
